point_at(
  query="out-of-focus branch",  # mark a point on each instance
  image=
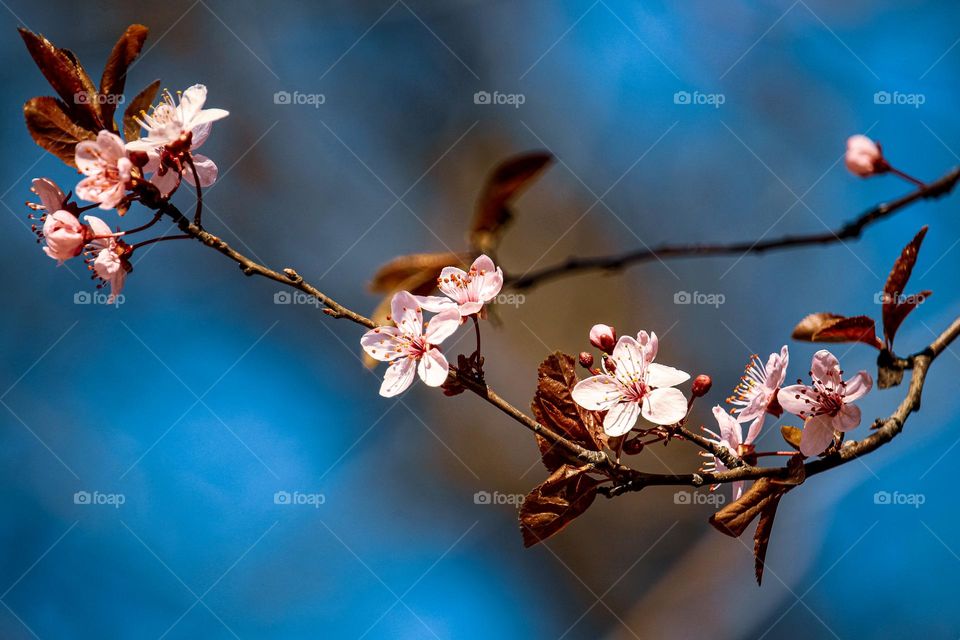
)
(888, 428)
(852, 229)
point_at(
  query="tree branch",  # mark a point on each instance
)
(852, 229)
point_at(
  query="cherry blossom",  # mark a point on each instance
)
(864, 157)
(603, 337)
(106, 166)
(825, 406)
(730, 438)
(110, 256)
(410, 347)
(756, 394)
(633, 385)
(64, 235)
(466, 291)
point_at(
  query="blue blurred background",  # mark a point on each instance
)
(199, 398)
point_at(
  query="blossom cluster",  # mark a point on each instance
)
(412, 345)
(115, 172)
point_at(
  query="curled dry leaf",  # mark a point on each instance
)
(830, 327)
(895, 306)
(553, 406)
(114, 78)
(761, 537)
(550, 507)
(507, 179)
(140, 103)
(68, 78)
(53, 129)
(734, 518)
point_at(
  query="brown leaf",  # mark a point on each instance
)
(553, 406)
(114, 78)
(791, 435)
(550, 507)
(761, 537)
(140, 103)
(734, 518)
(53, 129)
(419, 267)
(896, 281)
(814, 322)
(67, 77)
(505, 181)
(796, 472)
(853, 329)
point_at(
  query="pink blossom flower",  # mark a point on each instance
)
(756, 394)
(170, 121)
(109, 255)
(408, 348)
(864, 157)
(466, 291)
(104, 161)
(64, 236)
(603, 337)
(825, 406)
(633, 385)
(51, 196)
(730, 438)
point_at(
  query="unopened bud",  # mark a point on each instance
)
(632, 447)
(701, 385)
(603, 337)
(586, 359)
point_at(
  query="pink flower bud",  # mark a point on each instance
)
(63, 234)
(701, 386)
(603, 337)
(864, 157)
(586, 359)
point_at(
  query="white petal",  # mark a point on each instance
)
(398, 377)
(98, 226)
(659, 375)
(665, 406)
(436, 304)
(858, 386)
(826, 368)
(433, 368)
(754, 430)
(848, 418)
(650, 345)
(382, 344)
(206, 170)
(191, 102)
(406, 312)
(597, 393)
(730, 430)
(442, 326)
(628, 358)
(817, 435)
(797, 399)
(621, 418)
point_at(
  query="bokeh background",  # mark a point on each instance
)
(199, 398)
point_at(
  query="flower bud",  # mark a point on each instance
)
(138, 158)
(603, 337)
(633, 447)
(63, 234)
(701, 385)
(864, 157)
(586, 359)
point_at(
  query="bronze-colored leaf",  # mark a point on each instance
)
(814, 322)
(734, 518)
(400, 270)
(114, 78)
(553, 406)
(761, 537)
(67, 77)
(853, 329)
(53, 129)
(140, 103)
(791, 435)
(796, 472)
(550, 507)
(895, 310)
(505, 182)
